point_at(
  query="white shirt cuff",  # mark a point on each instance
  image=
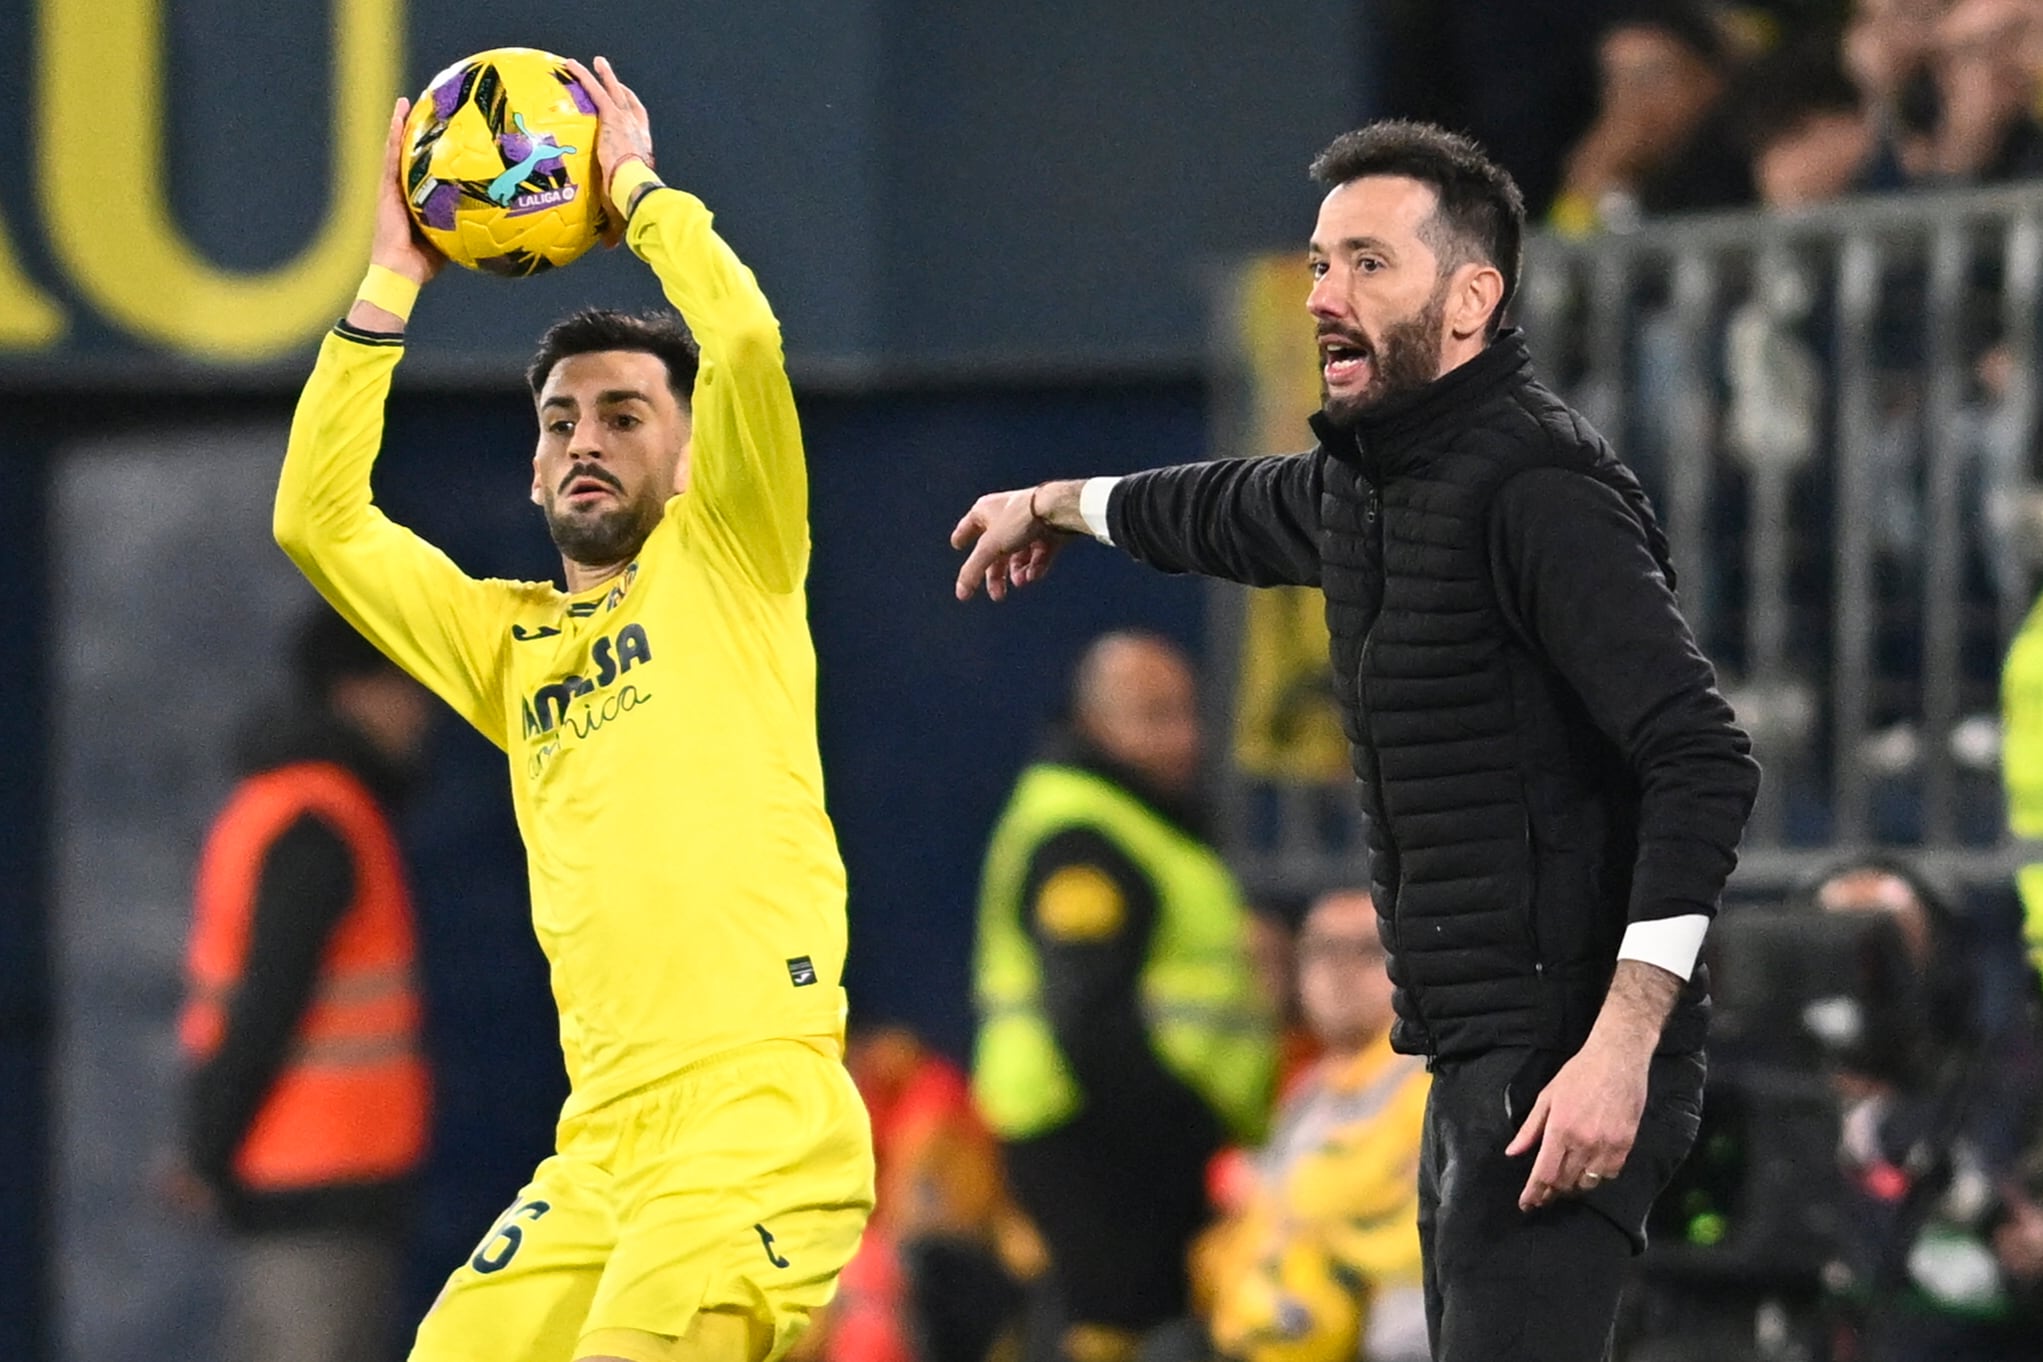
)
(1092, 506)
(1672, 943)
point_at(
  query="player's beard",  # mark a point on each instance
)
(600, 538)
(1404, 359)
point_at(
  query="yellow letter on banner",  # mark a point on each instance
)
(29, 319)
(108, 207)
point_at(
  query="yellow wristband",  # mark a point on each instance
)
(630, 182)
(385, 288)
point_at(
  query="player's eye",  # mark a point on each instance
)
(1319, 269)
(1368, 264)
(560, 427)
(625, 422)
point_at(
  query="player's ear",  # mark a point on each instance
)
(1477, 291)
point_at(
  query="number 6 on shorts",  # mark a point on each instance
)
(494, 1253)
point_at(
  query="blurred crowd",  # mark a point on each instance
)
(1613, 111)
(1704, 107)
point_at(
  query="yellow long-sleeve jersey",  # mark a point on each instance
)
(686, 885)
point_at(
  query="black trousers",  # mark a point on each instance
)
(1118, 1213)
(1505, 1285)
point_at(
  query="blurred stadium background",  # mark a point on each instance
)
(1006, 242)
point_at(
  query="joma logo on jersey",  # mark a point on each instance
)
(613, 656)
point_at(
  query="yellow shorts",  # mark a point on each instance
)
(741, 1183)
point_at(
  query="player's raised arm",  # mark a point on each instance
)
(406, 596)
(746, 463)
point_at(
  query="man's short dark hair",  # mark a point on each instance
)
(600, 328)
(1481, 214)
(326, 650)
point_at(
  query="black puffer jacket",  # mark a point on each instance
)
(1543, 754)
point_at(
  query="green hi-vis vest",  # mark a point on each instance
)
(1208, 1021)
(2021, 762)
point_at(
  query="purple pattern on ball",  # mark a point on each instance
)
(515, 146)
(447, 94)
(581, 96)
(552, 165)
(438, 209)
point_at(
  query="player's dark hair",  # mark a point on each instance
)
(600, 328)
(1480, 215)
(326, 649)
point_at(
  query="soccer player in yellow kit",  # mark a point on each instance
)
(713, 1168)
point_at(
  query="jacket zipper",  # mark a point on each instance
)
(1372, 516)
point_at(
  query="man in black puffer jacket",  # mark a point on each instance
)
(1555, 787)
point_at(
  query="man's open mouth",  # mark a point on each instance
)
(1342, 361)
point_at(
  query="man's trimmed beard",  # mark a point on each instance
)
(604, 537)
(1403, 360)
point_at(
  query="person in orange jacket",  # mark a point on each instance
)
(308, 1103)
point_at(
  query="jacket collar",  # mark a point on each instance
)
(1384, 439)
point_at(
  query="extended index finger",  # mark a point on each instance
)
(1546, 1175)
(968, 529)
(1535, 1125)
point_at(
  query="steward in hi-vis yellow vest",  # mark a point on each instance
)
(1080, 861)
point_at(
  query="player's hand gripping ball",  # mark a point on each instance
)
(500, 163)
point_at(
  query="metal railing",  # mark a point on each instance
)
(1836, 414)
